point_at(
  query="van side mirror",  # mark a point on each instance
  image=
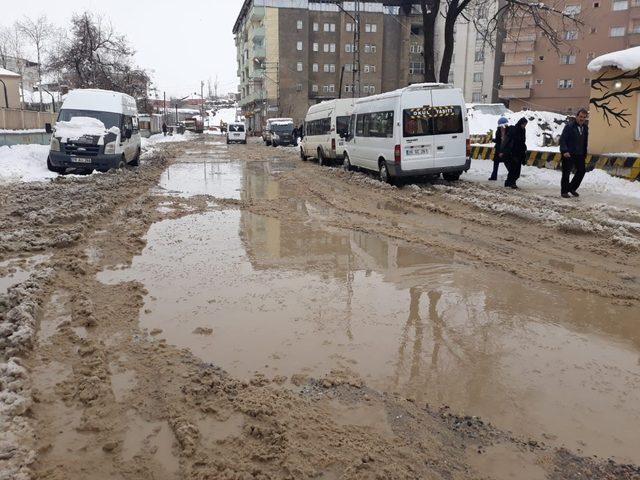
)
(47, 128)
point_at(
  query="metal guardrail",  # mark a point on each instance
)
(21, 138)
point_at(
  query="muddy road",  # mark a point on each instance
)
(231, 312)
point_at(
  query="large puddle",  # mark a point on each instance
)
(251, 293)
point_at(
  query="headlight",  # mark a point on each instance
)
(110, 148)
(54, 145)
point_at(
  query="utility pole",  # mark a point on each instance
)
(164, 113)
(356, 35)
(202, 96)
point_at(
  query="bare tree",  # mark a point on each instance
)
(95, 56)
(5, 41)
(546, 18)
(609, 100)
(38, 32)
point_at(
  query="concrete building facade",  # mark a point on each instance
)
(535, 76)
(291, 54)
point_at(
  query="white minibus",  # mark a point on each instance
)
(325, 128)
(418, 130)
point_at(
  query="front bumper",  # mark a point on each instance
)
(395, 170)
(100, 162)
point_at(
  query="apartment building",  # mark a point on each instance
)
(535, 76)
(291, 54)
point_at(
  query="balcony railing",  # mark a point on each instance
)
(516, 70)
(259, 52)
(253, 97)
(514, 92)
(257, 34)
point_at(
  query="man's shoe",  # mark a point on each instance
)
(565, 195)
(574, 193)
(493, 178)
(514, 186)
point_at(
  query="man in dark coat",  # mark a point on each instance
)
(497, 156)
(164, 129)
(573, 147)
(514, 151)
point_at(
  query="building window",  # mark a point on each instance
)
(567, 59)
(370, 28)
(617, 31)
(325, 48)
(476, 97)
(329, 27)
(477, 77)
(347, 48)
(332, 68)
(416, 68)
(333, 27)
(299, 87)
(416, 48)
(620, 5)
(315, 46)
(332, 47)
(315, 67)
(372, 89)
(571, 35)
(299, 66)
(299, 24)
(541, 58)
(636, 26)
(299, 46)
(373, 49)
(365, 89)
(594, 30)
(479, 56)
(539, 81)
(349, 27)
(367, 48)
(314, 88)
(326, 68)
(347, 88)
(332, 88)
(316, 27)
(565, 83)
(325, 89)
(596, 4)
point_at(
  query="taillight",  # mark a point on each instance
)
(397, 154)
(468, 147)
(333, 144)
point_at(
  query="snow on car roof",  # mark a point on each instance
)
(7, 73)
(628, 59)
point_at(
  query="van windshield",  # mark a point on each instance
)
(441, 120)
(282, 127)
(109, 119)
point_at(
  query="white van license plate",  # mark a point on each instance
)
(80, 160)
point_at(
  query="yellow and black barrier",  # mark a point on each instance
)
(486, 138)
(625, 167)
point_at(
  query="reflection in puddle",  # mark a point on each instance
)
(221, 179)
(152, 439)
(55, 312)
(287, 298)
(14, 271)
(122, 383)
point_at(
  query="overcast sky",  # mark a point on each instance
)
(181, 41)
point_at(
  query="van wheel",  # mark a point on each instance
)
(136, 160)
(303, 157)
(123, 162)
(451, 176)
(53, 168)
(384, 173)
(346, 163)
(322, 161)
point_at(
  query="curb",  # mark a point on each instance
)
(624, 167)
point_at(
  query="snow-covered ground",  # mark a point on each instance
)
(596, 182)
(540, 123)
(24, 163)
(227, 115)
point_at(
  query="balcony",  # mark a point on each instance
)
(507, 93)
(257, 34)
(257, 14)
(256, 96)
(257, 74)
(520, 46)
(516, 70)
(259, 52)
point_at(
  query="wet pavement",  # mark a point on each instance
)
(252, 293)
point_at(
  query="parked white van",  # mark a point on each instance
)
(325, 128)
(96, 129)
(236, 132)
(418, 130)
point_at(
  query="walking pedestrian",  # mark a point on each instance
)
(514, 151)
(497, 155)
(164, 129)
(573, 147)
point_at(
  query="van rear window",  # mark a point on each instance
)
(236, 128)
(427, 120)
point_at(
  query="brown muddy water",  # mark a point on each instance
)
(256, 294)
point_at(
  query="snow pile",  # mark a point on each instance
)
(596, 182)
(543, 129)
(18, 313)
(628, 59)
(161, 138)
(26, 163)
(78, 127)
(227, 115)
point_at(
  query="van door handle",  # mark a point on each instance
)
(454, 136)
(440, 147)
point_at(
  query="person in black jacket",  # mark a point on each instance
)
(497, 156)
(573, 147)
(514, 151)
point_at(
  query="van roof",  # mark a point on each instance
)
(279, 120)
(100, 101)
(327, 104)
(410, 88)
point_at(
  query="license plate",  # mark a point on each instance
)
(80, 160)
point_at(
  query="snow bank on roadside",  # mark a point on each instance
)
(540, 124)
(161, 138)
(25, 163)
(595, 182)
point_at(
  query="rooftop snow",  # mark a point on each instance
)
(7, 73)
(628, 59)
